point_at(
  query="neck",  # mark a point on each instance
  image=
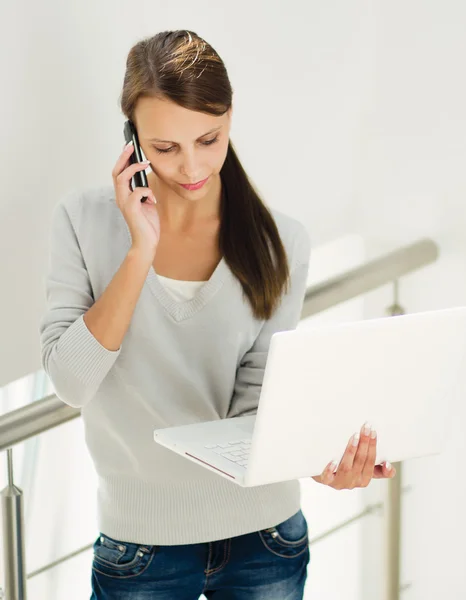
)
(179, 214)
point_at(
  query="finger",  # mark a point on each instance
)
(384, 471)
(368, 469)
(124, 177)
(143, 192)
(346, 463)
(363, 449)
(388, 469)
(378, 472)
(344, 475)
(349, 473)
(328, 475)
(123, 160)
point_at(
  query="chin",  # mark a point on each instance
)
(193, 196)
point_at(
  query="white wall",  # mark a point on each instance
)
(356, 108)
(300, 76)
(413, 148)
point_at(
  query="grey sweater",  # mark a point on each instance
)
(180, 362)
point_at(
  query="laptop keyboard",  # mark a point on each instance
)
(237, 451)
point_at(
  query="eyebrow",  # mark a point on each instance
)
(171, 142)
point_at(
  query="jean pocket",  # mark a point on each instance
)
(120, 559)
(288, 539)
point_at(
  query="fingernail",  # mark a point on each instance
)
(388, 465)
(152, 196)
(128, 144)
(367, 428)
(333, 465)
(355, 441)
(373, 434)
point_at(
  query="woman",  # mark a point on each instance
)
(160, 313)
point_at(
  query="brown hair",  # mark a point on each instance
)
(182, 67)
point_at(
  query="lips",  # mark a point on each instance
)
(196, 183)
(194, 186)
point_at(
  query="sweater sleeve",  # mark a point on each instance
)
(250, 373)
(74, 360)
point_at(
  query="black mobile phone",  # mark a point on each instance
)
(139, 179)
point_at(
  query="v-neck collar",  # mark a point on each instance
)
(180, 311)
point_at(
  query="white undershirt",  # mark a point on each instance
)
(181, 290)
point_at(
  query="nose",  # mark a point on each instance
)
(190, 168)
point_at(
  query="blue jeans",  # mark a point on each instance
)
(270, 564)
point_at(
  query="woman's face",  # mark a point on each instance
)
(183, 146)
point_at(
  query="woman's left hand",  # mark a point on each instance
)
(357, 467)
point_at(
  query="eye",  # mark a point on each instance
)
(166, 150)
(210, 142)
(163, 151)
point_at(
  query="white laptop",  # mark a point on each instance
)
(322, 383)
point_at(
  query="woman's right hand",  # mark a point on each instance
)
(142, 217)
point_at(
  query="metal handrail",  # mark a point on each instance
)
(42, 415)
(49, 412)
(37, 417)
(369, 276)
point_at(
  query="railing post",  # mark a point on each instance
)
(393, 511)
(13, 537)
(393, 508)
